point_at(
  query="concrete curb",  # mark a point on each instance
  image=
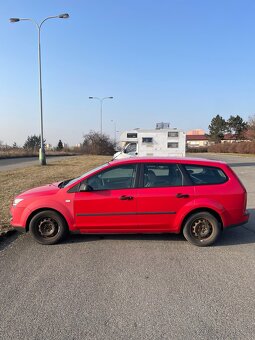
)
(7, 233)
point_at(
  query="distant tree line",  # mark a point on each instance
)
(241, 132)
(235, 125)
(33, 143)
(94, 143)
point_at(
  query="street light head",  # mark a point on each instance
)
(64, 16)
(110, 97)
(14, 19)
(91, 97)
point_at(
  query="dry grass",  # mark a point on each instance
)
(15, 181)
(14, 153)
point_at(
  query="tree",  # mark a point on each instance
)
(14, 145)
(250, 133)
(237, 126)
(96, 143)
(60, 145)
(217, 128)
(33, 143)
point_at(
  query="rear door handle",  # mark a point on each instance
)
(182, 195)
(126, 198)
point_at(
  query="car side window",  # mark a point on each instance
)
(119, 177)
(202, 175)
(161, 175)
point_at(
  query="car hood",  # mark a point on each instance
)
(45, 190)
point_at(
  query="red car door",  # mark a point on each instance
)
(111, 205)
(162, 197)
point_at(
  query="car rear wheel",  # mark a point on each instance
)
(202, 229)
(48, 227)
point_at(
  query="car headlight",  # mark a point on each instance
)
(17, 201)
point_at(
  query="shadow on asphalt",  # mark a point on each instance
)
(231, 237)
(242, 235)
(236, 236)
(5, 241)
(123, 237)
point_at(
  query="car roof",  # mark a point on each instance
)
(180, 160)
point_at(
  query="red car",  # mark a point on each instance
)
(196, 197)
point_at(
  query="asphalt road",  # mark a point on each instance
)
(22, 162)
(132, 287)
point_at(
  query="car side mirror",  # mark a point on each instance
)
(85, 187)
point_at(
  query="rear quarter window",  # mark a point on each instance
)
(202, 175)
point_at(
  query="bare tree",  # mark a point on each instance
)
(96, 143)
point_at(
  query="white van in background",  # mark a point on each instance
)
(161, 142)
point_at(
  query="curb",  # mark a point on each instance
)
(7, 233)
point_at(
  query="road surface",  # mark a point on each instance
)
(16, 163)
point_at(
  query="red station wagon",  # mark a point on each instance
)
(196, 197)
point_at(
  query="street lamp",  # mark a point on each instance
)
(42, 156)
(115, 131)
(101, 110)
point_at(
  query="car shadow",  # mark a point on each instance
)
(238, 236)
(230, 237)
(122, 237)
(5, 241)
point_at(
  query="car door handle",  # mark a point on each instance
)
(126, 198)
(182, 195)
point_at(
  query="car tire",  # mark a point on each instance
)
(202, 229)
(48, 227)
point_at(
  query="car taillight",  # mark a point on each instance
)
(245, 200)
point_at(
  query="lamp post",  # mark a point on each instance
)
(101, 110)
(42, 156)
(115, 132)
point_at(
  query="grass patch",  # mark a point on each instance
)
(16, 181)
(19, 153)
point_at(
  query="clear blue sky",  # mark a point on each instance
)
(177, 61)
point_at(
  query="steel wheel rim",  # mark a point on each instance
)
(48, 227)
(201, 229)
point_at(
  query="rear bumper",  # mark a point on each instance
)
(245, 220)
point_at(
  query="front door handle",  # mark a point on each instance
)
(182, 195)
(126, 198)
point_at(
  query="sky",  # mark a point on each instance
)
(176, 61)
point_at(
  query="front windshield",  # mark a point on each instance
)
(85, 174)
(130, 148)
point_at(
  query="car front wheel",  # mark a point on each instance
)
(48, 227)
(202, 229)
